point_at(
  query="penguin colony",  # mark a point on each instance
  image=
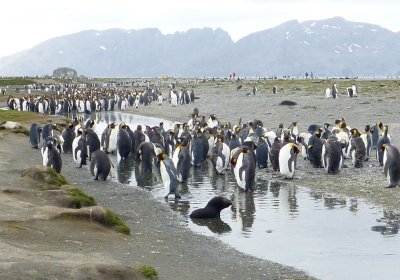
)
(69, 98)
(239, 148)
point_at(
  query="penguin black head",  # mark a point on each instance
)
(367, 128)
(80, 131)
(139, 127)
(354, 132)
(294, 123)
(112, 125)
(277, 140)
(326, 125)
(318, 132)
(281, 125)
(70, 125)
(295, 148)
(220, 138)
(343, 124)
(383, 147)
(380, 125)
(343, 143)
(161, 156)
(337, 122)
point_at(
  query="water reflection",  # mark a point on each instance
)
(124, 170)
(280, 222)
(214, 225)
(243, 209)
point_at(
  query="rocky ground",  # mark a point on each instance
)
(36, 247)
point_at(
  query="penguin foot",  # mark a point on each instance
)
(177, 196)
(390, 186)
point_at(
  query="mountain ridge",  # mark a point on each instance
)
(328, 47)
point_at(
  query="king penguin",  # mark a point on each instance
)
(244, 167)
(391, 163)
(181, 160)
(262, 153)
(68, 135)
(100, 166)
(79, 149)
(358, 149)
(34, 135)
(220, 155)
(169, 175)
(287, 160)
(124, 143)
(51, 156)
(384, 139)
(332, 155)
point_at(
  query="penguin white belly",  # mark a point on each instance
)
(174, 100)
(353, 157)
(165, 177)
(324, 163)
(112, 144)
(271, 136)
(123, 105)
(45, 155)
(239, 163)
(175, 156)
(284, 157)
(226, 152)
(40, 108)
(384, 157)
(219, 166)
(304, 152)
(74, 146)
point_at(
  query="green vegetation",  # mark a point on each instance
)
(113, 221)
(15, 82)
(17, 116)
(80, 199)
(56, 178)
(148, 271)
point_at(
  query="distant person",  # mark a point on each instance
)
(274, 90)
(306, 75)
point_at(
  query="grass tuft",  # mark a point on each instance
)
(113, 221)
(148, 271)
(80, 199)
(56, 178)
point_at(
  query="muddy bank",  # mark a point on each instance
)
(35, 247)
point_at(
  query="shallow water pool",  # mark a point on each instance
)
(327, 236)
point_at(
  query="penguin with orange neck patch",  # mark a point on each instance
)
(244, 167)
(169, 175)
(287, 160)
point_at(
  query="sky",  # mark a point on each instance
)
(26, 23)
